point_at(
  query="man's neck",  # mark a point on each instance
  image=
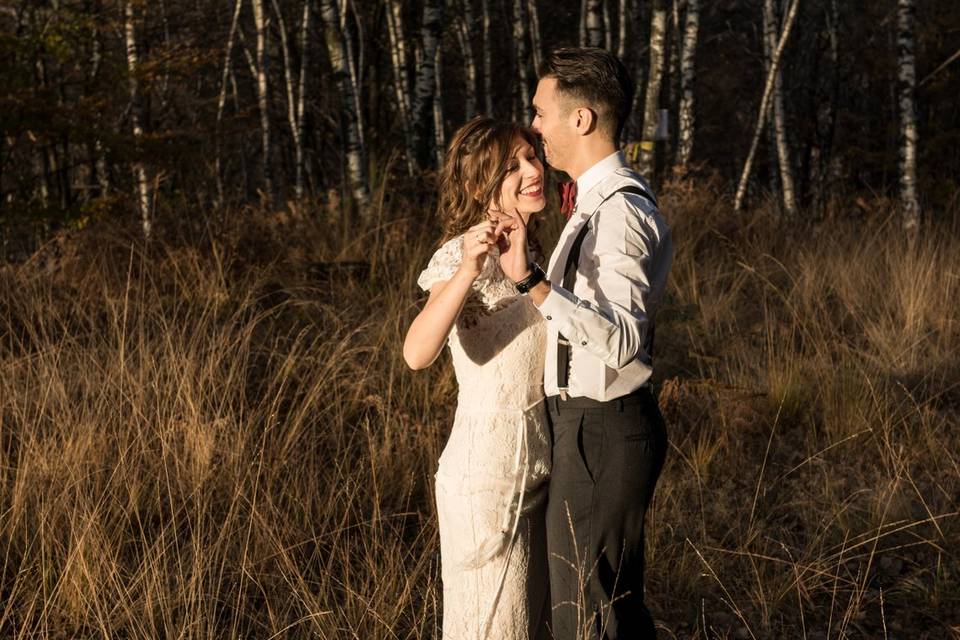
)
(589, 153)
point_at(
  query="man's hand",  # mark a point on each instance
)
(511, 234)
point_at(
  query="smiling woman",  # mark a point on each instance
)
(491, 480)
(488, 165)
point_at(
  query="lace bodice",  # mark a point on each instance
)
(498, 339)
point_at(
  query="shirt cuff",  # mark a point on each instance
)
(558, 306)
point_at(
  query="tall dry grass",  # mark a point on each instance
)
(215, 436)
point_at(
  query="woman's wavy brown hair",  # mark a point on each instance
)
(478, 160)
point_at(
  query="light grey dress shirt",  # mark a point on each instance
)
(621, 276)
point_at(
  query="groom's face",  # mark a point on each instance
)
(552, 121)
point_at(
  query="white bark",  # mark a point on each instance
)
(487, 58)
(520, 49)
(222, 99)
(673, 70)
(355, 69)
(607, 29)
(99, 172)
(593, 23)
(354, 150)
(583, 23)
(301, 164)
(651, 108)
(426, 83)
(779, 127)
(399, 60)
(821, 151)
(439, 137)
(536, 47)
(623, 17)
(136, 119)
(291, 91)
(906, 81)
(765, 104)
(688, 73)
(464, 29)
(261, 20)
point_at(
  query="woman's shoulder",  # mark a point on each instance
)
(443, 263)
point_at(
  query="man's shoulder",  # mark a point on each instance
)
(626, 191)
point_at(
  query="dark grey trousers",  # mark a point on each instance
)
(607, 457)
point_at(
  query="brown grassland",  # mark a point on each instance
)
(215, 436)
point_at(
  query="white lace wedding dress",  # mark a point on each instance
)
(492, 477)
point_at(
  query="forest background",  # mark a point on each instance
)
(212, 215)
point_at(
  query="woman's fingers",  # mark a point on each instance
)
(483, 233)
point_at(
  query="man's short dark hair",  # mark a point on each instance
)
(597, 77)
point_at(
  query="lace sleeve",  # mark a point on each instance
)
(443, 264)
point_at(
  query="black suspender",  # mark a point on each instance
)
(570, 279)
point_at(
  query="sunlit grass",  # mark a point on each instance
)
(216, 436)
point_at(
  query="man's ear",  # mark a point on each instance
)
(586, 120)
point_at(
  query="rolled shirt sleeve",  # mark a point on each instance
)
(615, 261)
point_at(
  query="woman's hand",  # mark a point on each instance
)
(511, 232)
(477, 241)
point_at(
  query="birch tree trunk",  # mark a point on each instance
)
(658, 27)
(520, 49)
(673, 72)
(582, 33)
(465, 30)
(906, 81)
(292, 100)
(765, 105)
(136, 119)
(821, 152)
(97, 162)
(261, 20)
(607, 29)
(536, 48)
(593, 23)
(355, 151)
(439, 137)
(426, 83)
(346, 6)
(303, 168)
(487, 59)
(399, 61)
(623, 17)
(222, 100)
(770, 31)
(687, 127)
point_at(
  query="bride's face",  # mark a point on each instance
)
(522, 188)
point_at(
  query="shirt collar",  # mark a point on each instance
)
(599, 171)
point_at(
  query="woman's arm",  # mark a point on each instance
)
(429, 330)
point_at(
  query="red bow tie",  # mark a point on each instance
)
(568, 197)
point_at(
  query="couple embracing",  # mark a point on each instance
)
(557, 441)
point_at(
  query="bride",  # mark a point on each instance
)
(492, 477)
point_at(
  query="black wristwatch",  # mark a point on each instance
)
(536, 277)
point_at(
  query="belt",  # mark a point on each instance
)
(642, 395)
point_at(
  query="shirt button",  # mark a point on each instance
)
(584, 343)
(549, 317)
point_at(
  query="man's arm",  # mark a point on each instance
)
(613, 323)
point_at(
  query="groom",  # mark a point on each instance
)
(598, 296)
